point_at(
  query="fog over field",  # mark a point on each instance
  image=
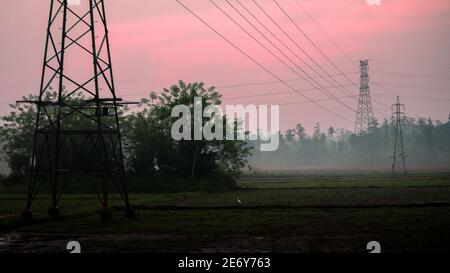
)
(426, 143)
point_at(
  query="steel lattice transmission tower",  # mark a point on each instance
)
(364, 114)
(399, 162)
(77, 133)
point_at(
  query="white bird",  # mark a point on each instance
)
(239, 201)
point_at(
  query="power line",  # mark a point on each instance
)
(303, 90)
(411, 62)
(309, 39)
(325, 33)
(423, 87)
(281, 42)
(273, 93)
(384, 88)
(274, 55)
(256, 62)
(422, 97)
(380, 103)
(318, 100)
(272, 82)
(339, 48)
(293, 41)
(390, 92)
(259, 83)
(341, 73)
(408, 75)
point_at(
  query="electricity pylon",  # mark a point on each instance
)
(364, 114)
(77, 132)
(399, 162)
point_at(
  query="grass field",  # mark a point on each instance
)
(278, 214)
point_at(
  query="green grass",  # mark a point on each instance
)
(281, 214)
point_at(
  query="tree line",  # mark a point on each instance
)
(150, 151)
(426, 141)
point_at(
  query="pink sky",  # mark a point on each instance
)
(156, 43)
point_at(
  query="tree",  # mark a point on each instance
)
(300, 132)
(16, 136)
(290, 133)
(152, 150)
(318, 135)
(149, 148)
(331, 131)
(17, 129)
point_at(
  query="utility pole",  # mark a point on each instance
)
(398, 163)
(364, 114)
(77, 132)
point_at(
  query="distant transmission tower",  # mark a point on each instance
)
(398, 163)
(364, 114)
(77, 134)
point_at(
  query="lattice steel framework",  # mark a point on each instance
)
(364, 114)
(399, 157)
(77, 134)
